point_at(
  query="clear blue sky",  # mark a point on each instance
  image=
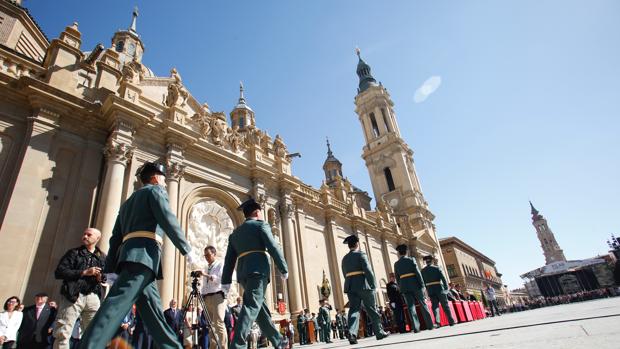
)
(528, 107)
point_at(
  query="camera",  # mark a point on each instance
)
(195, 274)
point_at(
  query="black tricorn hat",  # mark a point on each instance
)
(428, 257)
(351, 239)
(149, 169)
(249, 205)
(402, 248)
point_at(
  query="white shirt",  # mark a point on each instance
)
(9, 326)
(215, 285)
(490, 293)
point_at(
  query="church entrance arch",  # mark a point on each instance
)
(210, 218)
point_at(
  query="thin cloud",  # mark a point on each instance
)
(428, 87)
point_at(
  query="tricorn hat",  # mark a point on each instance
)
(402, 248)
(249, 205)
(351, 239)
(149, 169)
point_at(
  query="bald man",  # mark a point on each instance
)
(80, 270)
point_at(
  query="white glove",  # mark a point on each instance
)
(190, 259)
(111, 278)
(284, 276)
(226, 288)
(393, 304)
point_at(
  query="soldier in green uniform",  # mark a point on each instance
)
(247, 247)
(436, 287)
(301, 328)
(135, 255)
(359, 285)
(411, 287)
(325, 322)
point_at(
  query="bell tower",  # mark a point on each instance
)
(551, 248)
(390, 164)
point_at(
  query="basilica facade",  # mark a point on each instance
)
(76, 123)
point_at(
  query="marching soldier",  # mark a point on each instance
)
(436, 287)
(359, 285)
(411, 287)
(247, 248)
(135, 255)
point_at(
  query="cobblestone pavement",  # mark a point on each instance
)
(593, 324)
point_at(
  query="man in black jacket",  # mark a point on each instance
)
(36, 324)
(396, 303)
(174, 318)
(80, 270)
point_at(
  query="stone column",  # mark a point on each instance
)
(117, 153)
(334, 263)
(290, 252)
(386, 254)
(166, 286)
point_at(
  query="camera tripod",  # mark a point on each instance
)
(191, 300)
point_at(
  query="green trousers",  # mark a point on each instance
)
(325, 333)
(410, 298)
(135, 285)
(254, 309)
(368, 298)
(443, 299)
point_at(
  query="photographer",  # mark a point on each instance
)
(214, 297)
(80, 270)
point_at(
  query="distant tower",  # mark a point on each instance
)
(390, 164)
(551, 249)
(332, 167)
(242, 116)
(128, 43)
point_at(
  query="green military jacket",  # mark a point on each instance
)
(252, 235)
(433, 274)
(147, 209)
(301, 321)
(406, 266)
(356, 261)
(324, 316)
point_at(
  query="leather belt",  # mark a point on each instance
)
(251, 251)
(433, 283)
(353, 273)
(214, 294)
(408, 275)
(144, 234)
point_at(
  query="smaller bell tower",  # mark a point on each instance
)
(242, 116)
(128, 43)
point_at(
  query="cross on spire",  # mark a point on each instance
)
(134, 17)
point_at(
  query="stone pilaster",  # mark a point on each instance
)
(28, 203)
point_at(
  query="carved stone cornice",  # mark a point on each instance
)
(118, 152)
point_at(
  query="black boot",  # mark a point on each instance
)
(352, 339)
(381, 335)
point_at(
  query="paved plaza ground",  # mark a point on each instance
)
(591, 324)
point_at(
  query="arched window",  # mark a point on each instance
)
(120, 45)
(385, 120)
(389, 179)
(241, 122)
(375, 127)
